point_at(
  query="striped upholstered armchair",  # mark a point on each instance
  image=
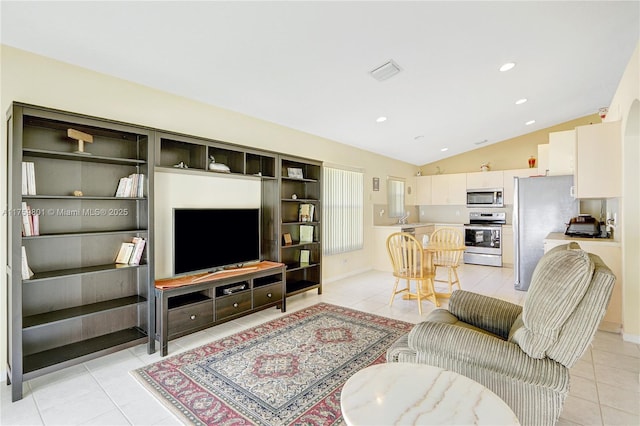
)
(522, 353)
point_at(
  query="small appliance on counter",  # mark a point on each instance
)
(583, 225)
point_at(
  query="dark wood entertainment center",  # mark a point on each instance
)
(195, 302)
(80, 304)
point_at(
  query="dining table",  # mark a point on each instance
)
(428, 250)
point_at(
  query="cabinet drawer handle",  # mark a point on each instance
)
(269, 295)
(235, 305)
(192, 317)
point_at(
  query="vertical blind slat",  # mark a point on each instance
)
(343, 210)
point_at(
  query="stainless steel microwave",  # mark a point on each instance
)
(485, 197)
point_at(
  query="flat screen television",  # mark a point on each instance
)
(212, 239)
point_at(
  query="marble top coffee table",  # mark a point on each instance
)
(419, 394)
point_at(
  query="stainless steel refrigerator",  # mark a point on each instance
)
(541, 205)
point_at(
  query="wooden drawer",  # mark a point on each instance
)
(234, 304)
(189, 317)
(267, 294)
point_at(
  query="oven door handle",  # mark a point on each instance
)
(482, 228)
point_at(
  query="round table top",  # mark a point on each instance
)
(420, 394)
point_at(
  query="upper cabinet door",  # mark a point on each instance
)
(485, 180)
(598, 172)
(423, 190)
(562, 149)
(449, 189)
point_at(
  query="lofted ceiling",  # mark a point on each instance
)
(306, 65)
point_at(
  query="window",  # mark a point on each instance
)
(343, 210)
(395, 196)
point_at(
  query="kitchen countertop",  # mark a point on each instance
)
(417, 225)
(559, 236)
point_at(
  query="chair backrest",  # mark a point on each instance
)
(568, 297)
(406, 254)
(448, 236)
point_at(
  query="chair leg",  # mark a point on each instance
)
(419, 296)
(394, 292)
(457, 280)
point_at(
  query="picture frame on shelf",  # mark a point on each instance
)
(286, 239)
(295, 172)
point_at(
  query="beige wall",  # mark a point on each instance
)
(33, 79)
(506, 155)
(625, 107)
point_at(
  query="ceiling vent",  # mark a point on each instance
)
(385, 71)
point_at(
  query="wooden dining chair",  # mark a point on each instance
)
(408, 259)
(448, 257)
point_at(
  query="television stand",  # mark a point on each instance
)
(191, 303)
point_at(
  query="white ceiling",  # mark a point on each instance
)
(306, 65)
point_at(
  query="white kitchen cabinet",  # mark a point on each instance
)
(423, 190)
(485, 180)
(449, 189)
(543, 159)
(381, 260)
(611, 254)
(410, 191)
(598, 171)
(508, 176)
(562, 147)
(506, 242)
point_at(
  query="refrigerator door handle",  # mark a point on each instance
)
(516, 236)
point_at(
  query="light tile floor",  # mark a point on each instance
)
(605, 387)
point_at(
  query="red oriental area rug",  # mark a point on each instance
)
(287, 371)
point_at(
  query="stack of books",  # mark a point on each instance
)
(131, 252)
(305, 212)
(131, 186)
(30, 221)
(26, 271)
(28, 178)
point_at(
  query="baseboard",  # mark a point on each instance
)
(347, 275)
(633, 338)
(610, 327)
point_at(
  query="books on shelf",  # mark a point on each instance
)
(28, 178)
(305, 212)
(305, 256)
(131, 252)
(26, 271)
(306, 233)
(131, 186)
(138, 248)
(30, 221)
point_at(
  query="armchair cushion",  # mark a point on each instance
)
(448, 345)
(558, 284)
(486, 313)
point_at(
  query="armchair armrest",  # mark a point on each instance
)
(488, 313)
(451, 344)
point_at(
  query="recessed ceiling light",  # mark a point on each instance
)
(521, 101)
(444, 149)
(530, 122)
(507, 66)
(381, 119)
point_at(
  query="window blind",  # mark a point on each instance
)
(343, 210)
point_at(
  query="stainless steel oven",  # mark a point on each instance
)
(483, 237)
